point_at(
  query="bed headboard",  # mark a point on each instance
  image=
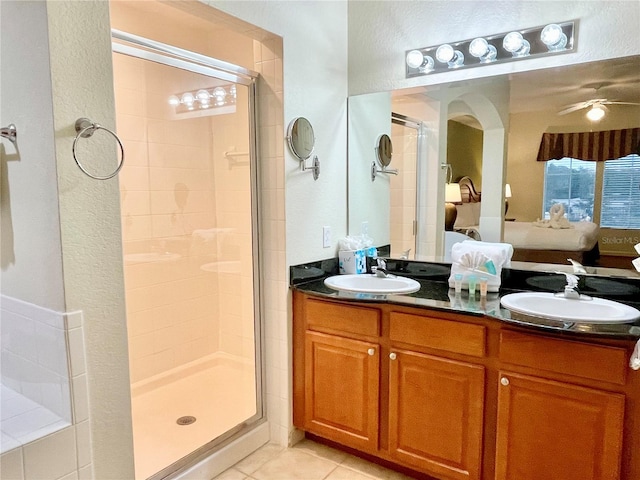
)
(468, 191)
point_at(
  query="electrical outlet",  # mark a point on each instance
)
(326, 237)
(364, 229)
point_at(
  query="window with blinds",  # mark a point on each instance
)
(571, 182)
(621, 193)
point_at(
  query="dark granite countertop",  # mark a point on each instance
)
(435, 294)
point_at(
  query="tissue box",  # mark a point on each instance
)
(352, 261)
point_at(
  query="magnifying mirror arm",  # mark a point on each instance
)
(375, 171)
(314, 167)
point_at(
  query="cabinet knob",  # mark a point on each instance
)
(504, 381)
(392, 356)
(371, 351)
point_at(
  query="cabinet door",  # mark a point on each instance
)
(342, 384)
(436, 410)
(557, 431)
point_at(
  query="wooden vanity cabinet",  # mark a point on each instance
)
(557, 431)
(341, 358)
(459, 397)
(436, 404)
(435, 414)
(566, 428)
(341, 395)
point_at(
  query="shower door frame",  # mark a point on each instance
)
(151, 50)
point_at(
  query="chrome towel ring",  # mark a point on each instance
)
(85, 128)
(9, 132)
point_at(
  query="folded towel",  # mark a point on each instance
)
(557, 220)
(480, 259)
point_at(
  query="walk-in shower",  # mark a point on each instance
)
(189, 227)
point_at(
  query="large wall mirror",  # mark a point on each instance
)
(456, 131)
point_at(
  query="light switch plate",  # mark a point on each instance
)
(326, 237)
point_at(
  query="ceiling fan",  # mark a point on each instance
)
(597, 107)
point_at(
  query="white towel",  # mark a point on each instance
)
(557, 220)
(469, 258)
(634, 362)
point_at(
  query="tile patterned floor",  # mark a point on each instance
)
(306, 460)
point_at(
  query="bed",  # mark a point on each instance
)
(531, 243)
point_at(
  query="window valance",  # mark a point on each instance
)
(595, 146)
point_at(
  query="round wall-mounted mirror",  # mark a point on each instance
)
(385, 150)
(300, 138)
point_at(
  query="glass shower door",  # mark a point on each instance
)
(188, 191)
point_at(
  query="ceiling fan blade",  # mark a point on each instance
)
(574, 108)
(607, 102)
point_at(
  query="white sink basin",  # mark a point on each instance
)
(550, 306)
(366, 283)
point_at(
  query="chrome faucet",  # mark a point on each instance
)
(381, 269)
(571, 288)
(577, 266)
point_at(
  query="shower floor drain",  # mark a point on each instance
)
(187, 420)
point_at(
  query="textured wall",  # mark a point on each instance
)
(82, 79)
(315, 77)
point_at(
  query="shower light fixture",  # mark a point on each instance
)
(551, 39)
(203, 99)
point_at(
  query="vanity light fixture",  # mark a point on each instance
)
(423, 63)
(481, 49)
(516, 45)
(449, 55)
(551, 39)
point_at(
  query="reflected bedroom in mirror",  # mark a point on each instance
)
(545, 160)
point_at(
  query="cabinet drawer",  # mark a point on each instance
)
(324, 316)
(451, 336)
(595, 362)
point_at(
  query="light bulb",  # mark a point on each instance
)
(203, 96)
(233, 91)
(415, 58)
(188, 98)
(174, 101)
(219, 93)
(427, 65)
(553, 37)
(596, 113)
(481, 49)
(445, 53)
(515, 44)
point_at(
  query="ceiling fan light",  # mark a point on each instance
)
(596, 113)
